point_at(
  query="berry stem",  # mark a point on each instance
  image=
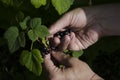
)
(31, 46)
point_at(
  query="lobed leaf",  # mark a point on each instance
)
(32, 35)
(38, 3)
(62, 5)
(35, 22)
(42, 31)
(25, 58)
(15, 40)
(38, 30)
(23, 24)
(32, 60)
(11, 35)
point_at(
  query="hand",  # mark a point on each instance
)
(83, 33)
(74, 69)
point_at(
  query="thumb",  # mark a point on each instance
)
(64, 59)
(48, 63)
(60, 24)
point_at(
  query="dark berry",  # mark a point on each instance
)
(53, 48)
(57, 34)
(62, 33)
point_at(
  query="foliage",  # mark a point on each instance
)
(38, 3)
(32, 60)
(11, 35)
(23, 22)
(62, 5)
(30, 29)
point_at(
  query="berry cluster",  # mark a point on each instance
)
(46, 50)
(63, 33)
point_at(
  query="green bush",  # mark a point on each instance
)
(23, 22)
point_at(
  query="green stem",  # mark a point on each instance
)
(31, 46)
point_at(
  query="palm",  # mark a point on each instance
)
(82, 35)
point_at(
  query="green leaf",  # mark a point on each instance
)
(38, 30)
(7, 2)
(19, 16)
(22, 39)
(62, 5)
(37, 55)
(32, 60)
(35, 22)
(23, 24)
(38, 3)
(42, 31)
(25, 57)
(11, 35)
(77, 54)
(32, 35)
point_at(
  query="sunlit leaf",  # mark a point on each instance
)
(25, 57)
(38, 30)
(62, 5)
(77, 54)
(42, 31)
(32, 60)
(38, 3)
(32, 35)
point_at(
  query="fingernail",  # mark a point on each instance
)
(46, 56)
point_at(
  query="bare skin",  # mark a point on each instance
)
(75, 69)
(88, 25)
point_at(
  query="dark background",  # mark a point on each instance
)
(103, 57)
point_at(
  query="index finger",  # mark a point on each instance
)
(62, 23)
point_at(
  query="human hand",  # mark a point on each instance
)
(83, 33)
(74, 69)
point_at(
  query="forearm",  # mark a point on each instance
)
(106, 16)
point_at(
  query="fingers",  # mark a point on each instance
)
(69, 42)
(48, 63)
(74, 43)
(60, 44)
(55, 41)
(60, 24)
(64, 59)
(64, 43)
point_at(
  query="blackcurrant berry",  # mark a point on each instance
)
(62, 33)
(57, 34)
